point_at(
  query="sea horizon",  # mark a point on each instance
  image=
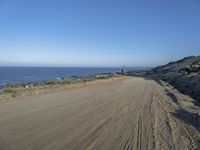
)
(32, 74)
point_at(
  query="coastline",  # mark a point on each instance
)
(18, 75)
(10, 91)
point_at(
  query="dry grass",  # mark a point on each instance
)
(14, 90)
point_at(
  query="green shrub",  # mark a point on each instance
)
(8, 90)
(14, 94)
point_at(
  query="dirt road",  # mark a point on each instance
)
(133, 113)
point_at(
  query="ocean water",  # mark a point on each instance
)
(38, 74)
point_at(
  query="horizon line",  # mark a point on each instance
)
(52, 66)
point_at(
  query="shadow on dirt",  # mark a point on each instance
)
(192, 119)
(171, 96)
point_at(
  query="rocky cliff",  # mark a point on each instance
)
(183, 74)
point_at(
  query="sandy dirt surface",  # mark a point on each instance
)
(129, 114)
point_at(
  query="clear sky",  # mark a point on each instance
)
(98, 32)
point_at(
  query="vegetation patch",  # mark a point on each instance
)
(14, 90)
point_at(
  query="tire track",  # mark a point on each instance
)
(133, 114)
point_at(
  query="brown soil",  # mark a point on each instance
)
(133, 113)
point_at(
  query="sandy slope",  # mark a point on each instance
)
(133, 113)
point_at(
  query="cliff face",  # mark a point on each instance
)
(183, 74)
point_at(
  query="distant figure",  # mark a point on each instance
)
(123, 71)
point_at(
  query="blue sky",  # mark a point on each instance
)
(98, 32)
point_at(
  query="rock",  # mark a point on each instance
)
(183, 74)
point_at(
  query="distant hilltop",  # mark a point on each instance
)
(183, 74)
